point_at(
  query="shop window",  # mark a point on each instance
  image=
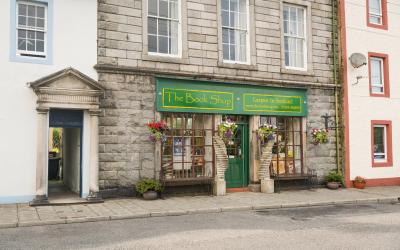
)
(163, 27)
(235, 38)
(379, 75)
(377, 14)
(187, 151)
(294, 27)
(287, 152)
(381, 143)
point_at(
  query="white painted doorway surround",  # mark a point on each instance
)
(68, 89)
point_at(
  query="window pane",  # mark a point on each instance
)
(40, 12)
(243, 21)
(234, 5)
(232, 55)
(226, 51)
(300, 24)
(375, 19)
(173, 9)
(40, 23)
(379, 141)
(21, 44)
(225, 35)
(152, 40)
(285, 26)
(285, 13)
(234, 22)
(31, 10)
(152, 25)
(225, 18)
(162, 44)
(39, 46)
(22, 33)
(31, 34)
(22, 20)
(153, 7)
(22, 9)
(31, 45)
(40, 35)
(174, 37)
(225, 4)
(242, 37)
(286, 43)
(163, 8)
(376, 72)
(287, 58)
(31, 22)
(162, 27)
(375, 6)
(242, 55)
(242, 6)
(232, 39)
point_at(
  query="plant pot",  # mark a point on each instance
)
(333, 185)
(359, 185)
(150, 195)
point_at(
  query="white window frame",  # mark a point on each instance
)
(385, 154)
(379, 15)
(305, 51)
(247, 61)
(179, 54)
(27, 53)
(382, 68)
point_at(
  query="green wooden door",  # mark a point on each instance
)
(237, 174)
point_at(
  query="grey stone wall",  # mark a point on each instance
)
(127, 72)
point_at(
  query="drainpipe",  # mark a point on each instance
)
(335, 80)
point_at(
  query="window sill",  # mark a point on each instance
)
(382, 164)
(237, 66)
(30, 59)
(297, 72)
(378, 26)
(380, 95)
(166, 58)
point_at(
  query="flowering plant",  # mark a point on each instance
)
(266, 133)
(319, 136)
(226, 130)
(156, 130)
(359, 179)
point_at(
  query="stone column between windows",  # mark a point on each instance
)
(94, 154)
(41, 154)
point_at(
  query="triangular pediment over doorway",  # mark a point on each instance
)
(67, 88)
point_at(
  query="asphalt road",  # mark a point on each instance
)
(369, 226)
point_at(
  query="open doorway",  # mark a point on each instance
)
(65, 154)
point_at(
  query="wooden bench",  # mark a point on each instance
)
(309, 178)
(179, 182)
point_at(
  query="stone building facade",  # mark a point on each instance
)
(129, 72)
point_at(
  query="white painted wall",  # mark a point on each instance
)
(74, 44)
(362, 107)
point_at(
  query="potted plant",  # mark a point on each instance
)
(265, 133)
(149, 188)
(334, 180)
(319, 136)
(359, 182)
(226, 131)
(157, 130)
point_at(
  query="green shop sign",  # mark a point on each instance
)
(176, 95)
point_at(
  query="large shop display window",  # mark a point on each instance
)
(187, 150)
(287, 152)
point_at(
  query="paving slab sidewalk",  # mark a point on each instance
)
(22, 215)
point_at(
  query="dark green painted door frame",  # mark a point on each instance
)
(237, 174)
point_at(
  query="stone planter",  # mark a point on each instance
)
(150, 195)
(333, 185)
(359, 185)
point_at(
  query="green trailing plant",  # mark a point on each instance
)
(319, 136)
(226, 130)
(145, 185)
(334, 176)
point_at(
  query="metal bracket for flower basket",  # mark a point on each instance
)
(327, 121)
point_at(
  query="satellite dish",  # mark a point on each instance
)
(357, 60)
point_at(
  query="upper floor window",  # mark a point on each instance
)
(235, 40)
(163, 21)
(379, 76)
(377, 13)
(294, 30)
(31, 29)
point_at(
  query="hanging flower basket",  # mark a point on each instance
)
(226, 131)
(265, 133)
(319, 136)
(157, 130)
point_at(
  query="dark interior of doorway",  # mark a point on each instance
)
(64, 163)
